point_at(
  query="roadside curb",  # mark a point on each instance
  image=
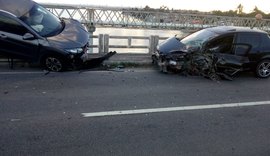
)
(117, 60)
(130, 60)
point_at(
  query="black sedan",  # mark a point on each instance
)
(217, 51)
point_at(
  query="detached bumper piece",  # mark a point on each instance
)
(96, 62)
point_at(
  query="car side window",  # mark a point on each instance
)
(251, 39)
(11, 26)
(242, 49)
(222, 45)
(265, 45)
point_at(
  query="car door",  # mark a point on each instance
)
(15, 39)
(229, 52)
(254, 40)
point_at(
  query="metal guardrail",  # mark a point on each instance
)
(135, 18)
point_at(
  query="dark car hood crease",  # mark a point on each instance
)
(73, 35)
(172, 44)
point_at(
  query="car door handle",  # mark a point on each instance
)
(3, 36)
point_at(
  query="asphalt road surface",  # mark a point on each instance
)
(132, 112)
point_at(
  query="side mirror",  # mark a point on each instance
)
(28, 36)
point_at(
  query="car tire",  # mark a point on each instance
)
(53, 63)
(263, 69)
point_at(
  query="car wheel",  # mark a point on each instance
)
(263, 69)
(53, 63)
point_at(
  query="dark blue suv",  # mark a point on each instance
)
(30, 32)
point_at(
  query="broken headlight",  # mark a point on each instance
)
(75, 50)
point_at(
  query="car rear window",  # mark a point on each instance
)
(252, 39)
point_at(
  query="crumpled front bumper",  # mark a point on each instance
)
(83, 61)
(97, 61)
(169, 62)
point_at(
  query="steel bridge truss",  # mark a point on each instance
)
(135, 18)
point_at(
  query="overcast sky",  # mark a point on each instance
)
(201, 5)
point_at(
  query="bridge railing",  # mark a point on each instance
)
(103, 43)
(93, 16)
(136, 18)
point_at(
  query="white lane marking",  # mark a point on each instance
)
(170, 109)
(22, 72)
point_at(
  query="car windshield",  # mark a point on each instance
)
(42, 21)
(198, 38)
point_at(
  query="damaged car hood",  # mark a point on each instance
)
(72, 35)
(171, 44)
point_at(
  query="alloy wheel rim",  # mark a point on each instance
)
(53, 64)
(264, 69)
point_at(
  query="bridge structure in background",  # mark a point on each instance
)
(94, 16)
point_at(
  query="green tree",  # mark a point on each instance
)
(147, 8)
(240, 9)
(164, 8)
(218, 13)
(256, 11)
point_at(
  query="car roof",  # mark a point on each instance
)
(233, 29)
(16, 7)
